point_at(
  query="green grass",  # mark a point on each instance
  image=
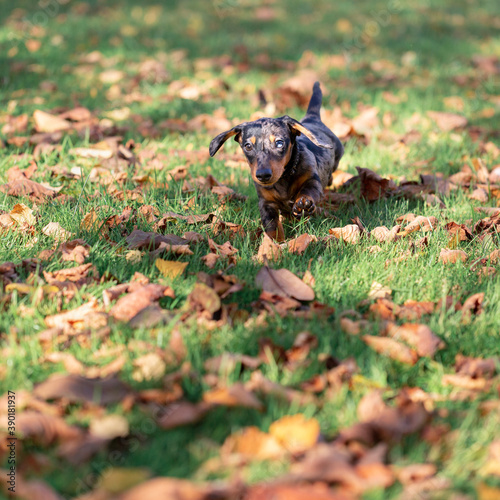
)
(442, 39)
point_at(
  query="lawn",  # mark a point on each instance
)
(131, 384)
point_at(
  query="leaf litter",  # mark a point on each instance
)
(87, 302)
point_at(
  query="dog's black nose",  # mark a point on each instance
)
(264, 175)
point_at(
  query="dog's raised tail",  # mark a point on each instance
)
(316, 100)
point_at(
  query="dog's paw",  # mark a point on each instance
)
(303, 206)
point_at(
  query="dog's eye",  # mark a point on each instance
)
(279, 144)
(248, 146)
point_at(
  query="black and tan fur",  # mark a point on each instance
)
(291, 162)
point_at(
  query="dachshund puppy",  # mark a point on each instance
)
(291, 162)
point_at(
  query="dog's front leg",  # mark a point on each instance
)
(270, 216)
(309, 196)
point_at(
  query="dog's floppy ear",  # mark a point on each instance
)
(296, 128)
(218, 141)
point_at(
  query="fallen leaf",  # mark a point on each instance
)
(167, 488)
(74, 251)
(150, 366)
(382, 233)
(77, 389)
(452, 256)
(392, 348)
(109, 427)
(182, 413)
(379, 291)
(88, 315)
(299, 245)
(473, 305)
(45, 122)
(45, 429)
(131, 304)
(235, 395)
(283, 282)
(353, 327)
(447, 121)
(369, 185)
(420, 223)
(138, 239)
(269, 250)
(295, 433)
(56, 231)
(350, 233)
(419, 336)
(252, 443)
(28, 188)
(170, 268)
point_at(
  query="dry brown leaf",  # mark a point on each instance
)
(466, 382)
(447, 121)
(235, 395)
(473, 305)
(299, 245)
(71, 364)
(382, 233)
(182, 413)
(316, 491)
(150, 366)
(109, 427)
(31, 189)
(74, 251)
(339, 178)
(88, 315)
(77, 389)
(419, 336)
(283, 282)
(379, 291)
(452, 256)
(56, 231)
(45, 122)
(34, 489)
(476, 367)
(350, 233)
(459, 231)
(420, 223)
(211, 259)
(269, 250)
(101, 154)
(353, 327)
(165, 488)
(369, 185)
(252, 443)
(479, 194)
(138, 239)
(390, 422)
(74, 274)
(131, 304)
(392, 348)
(16, 124)
(23, 215)
(45, 429)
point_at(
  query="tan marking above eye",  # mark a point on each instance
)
(252, 139)
(272, 138)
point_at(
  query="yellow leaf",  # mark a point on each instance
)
(485, 492)
(21, 288)
(23, 214)
(296, 433)
(170, 268)
(117, 479)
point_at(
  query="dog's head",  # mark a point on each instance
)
(267, 144)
